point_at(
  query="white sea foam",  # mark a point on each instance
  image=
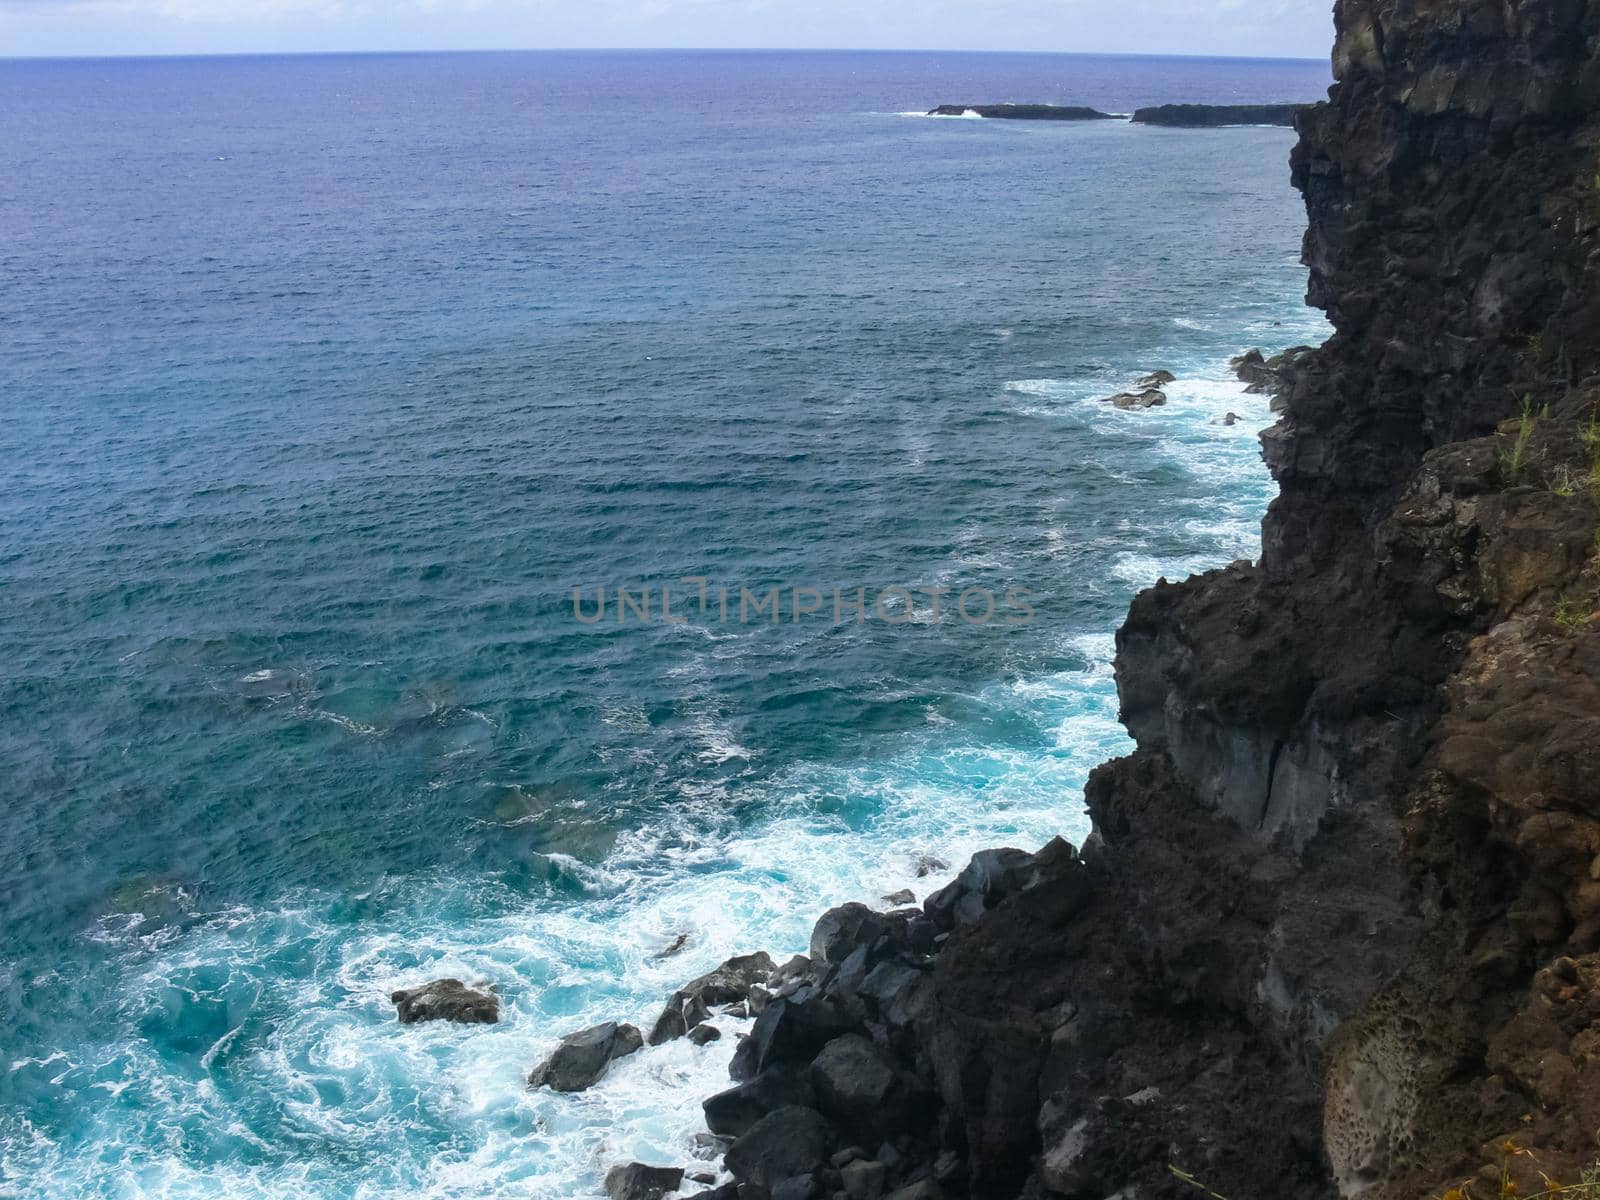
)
(443, 1111)
(302, 1050)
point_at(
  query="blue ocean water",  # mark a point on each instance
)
(327, 381)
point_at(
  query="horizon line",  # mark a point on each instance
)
(374, 53)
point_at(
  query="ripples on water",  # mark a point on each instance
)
(329, 379)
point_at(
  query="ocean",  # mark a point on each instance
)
(339, 393)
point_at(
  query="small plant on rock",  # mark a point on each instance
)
(1564, 483)
(1180, 1173)
(1572, 614)
(1514, 458)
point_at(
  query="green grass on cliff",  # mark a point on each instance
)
(1514, 458)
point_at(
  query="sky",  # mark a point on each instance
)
(1267, 28)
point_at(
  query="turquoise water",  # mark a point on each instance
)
(329, 380)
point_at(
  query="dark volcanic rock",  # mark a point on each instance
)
(636, 1181)
(856, 1085)
(1023, 112)
(1156, 379)
(704, 1035)
(841, 930)
(674, 947)
(446, 1000)
(582, 1058)
(1148, 398)
(791, 1028)
(732, 1112)
(863, 1179)
(1214, 116)
(1273, 376)
(989, 878)
(782, 1145)
(728, 984)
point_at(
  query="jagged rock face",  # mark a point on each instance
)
(1340, 705)
(1451, 189)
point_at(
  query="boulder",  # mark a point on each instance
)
(1250, 367)
(704, 1035)
(1156, 379)
(1147, 398)
(636, 1181)
(798, 970)
(989, 878)
(582, 1058)
(707, 1146)
(783, 1144)
(889, 987)
(1061, 1168)
(733, 1112)
(840, 930)
(930, 864)
(728, 984)
(446, 1000)
(797, 1187)
(855, 1086)
(675, 946)
(1271, 376)
(790, 1029)
(863, 1179)
(901, 898)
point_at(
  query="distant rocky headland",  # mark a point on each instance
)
(1215, 116)
(1023, 112)
(1184, 116)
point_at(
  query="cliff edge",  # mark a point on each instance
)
(1337, 930)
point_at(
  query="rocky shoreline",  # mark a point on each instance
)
(1336, 932)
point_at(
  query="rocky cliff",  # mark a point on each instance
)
(1337, 931)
